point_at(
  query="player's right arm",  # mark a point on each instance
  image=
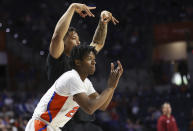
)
(90, 105)
(57, 45)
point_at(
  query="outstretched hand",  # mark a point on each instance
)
(115, 75)
(83, 10)
(106, 16)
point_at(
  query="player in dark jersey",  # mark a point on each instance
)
(73, 90)
(63, 40)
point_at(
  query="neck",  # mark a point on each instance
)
(168, 115)
(83, 75)
(66, 52)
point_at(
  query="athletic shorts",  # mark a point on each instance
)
(37, 125)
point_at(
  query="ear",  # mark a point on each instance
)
(77, 62)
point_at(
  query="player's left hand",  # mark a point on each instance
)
(115, 75)
(107, 16)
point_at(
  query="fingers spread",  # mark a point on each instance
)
(107, 19)
(115, 21)
(119, 64)
(91, 8)
(112, 67)
(82, 14)
(89, 12)
(120, 68)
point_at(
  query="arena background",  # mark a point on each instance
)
(153, 41)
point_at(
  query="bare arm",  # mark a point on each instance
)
(57, 45)
(101, 30)
(105, 105)
(99, 36)
(91, 103)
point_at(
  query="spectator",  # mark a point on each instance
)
(191, 122)
(167, 122)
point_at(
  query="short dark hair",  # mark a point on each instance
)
(79, 51)
(70, 29)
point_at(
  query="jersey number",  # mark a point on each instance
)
(72, 112)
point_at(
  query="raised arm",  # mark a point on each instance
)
(90, 104)
(101, 30)
(57, 45)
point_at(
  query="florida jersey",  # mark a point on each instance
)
(57, 106)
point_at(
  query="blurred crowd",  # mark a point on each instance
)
(33, 22)
(128, 111)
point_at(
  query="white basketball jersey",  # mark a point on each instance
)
(57, 106)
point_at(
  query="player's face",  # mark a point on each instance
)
(166, 109)
(72, 40)
(88, 63)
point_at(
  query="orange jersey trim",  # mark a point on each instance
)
(54, 105)
(40, 126)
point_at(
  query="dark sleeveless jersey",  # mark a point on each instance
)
(56, 67)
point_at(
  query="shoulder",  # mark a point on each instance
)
(51, 59)
(88, 82)
(68, 79)
(72, 77)
(162, 118)
(173, 118)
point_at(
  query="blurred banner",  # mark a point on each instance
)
(170, 51)
(3, 55)
(2, 41)
(180, 31)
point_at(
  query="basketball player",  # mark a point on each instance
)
(73, 90)
(63, 39)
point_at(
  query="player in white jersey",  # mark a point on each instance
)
(73, 90)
